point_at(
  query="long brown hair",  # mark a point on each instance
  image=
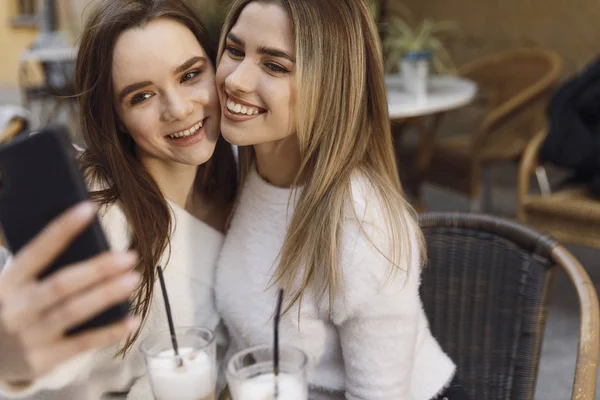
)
(338, 64)
(109, 161)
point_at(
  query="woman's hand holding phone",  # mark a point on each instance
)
(36, 314)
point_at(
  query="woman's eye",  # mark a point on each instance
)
(138, 98)
(234, 52)
(276, 68)
(190, 75)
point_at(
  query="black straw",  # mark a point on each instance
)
(169, 316)
(276, 341)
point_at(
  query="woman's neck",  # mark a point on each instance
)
(278, 162)
(176, 181)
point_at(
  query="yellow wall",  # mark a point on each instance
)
(570, 27)
(12, 42)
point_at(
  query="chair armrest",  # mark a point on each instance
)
(536, 95)
(586, 369)
(529, 162)
(14, 127)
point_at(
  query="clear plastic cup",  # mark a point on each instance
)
(196, 378)
(250, 374)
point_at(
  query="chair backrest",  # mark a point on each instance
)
(506, 74)
(517, 85)
(484, 291)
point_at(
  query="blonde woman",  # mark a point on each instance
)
(321, 212)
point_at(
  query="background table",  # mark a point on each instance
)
(444, 93)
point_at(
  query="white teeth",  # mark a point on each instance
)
(230, 105)
(240, 109)
(187, 132)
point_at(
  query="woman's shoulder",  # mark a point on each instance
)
(380, 250)
(367, 203)
(380, 230)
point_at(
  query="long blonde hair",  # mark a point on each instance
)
(343, 128)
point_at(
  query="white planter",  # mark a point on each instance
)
(414, 71)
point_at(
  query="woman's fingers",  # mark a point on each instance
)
(80, 308)
(44, 359)
(26, 305)
(47, 245)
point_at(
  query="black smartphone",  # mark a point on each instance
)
(40, 179)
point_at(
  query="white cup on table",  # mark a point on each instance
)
(250, 374)
(196, 378)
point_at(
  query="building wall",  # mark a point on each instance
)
(13, 40)
(570, 27)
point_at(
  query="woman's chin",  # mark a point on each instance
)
(234, 137)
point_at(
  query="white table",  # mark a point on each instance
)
(445, 93)
(50, 54)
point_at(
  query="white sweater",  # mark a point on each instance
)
(189, 275)
(374, 344)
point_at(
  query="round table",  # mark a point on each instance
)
(444, 93)
(50, 54)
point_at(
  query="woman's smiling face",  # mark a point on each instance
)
(256, 77)
(164, 93)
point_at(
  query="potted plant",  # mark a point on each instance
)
(417, 51)
(374, 7)
(212, 13)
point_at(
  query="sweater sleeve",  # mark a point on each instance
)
(377, 314)
(79, 367)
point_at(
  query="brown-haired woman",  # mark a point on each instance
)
(151, 120)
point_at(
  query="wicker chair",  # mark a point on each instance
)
(515, 87)
(485, 290)
(572, 215)
(14, 128)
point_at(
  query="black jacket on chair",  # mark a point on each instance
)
(573, 140)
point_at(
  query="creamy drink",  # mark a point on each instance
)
(194, 378)
(262, 387)
(250, 374)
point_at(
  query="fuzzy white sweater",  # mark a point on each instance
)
(189, 276)
(375, 344)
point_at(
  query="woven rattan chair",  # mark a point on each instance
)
(485, 292)
(515, 87)
(14, 127)
(572, 215)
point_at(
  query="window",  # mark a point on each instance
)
(25, 13)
